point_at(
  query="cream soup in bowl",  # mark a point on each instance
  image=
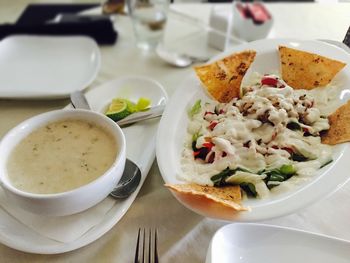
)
(61, 156)
(61, 162)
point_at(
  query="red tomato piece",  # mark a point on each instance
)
(269, 81)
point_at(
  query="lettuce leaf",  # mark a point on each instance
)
(196, 108)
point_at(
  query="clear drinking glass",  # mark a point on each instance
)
(149, 19)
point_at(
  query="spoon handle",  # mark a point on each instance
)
(153, 112)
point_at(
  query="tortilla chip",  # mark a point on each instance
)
(304, 70)
(223, 78)
(226, 196)
(339, 130)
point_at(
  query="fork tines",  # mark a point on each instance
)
(146, 246)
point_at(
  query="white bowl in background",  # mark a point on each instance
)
(242, 242)
(73, 201)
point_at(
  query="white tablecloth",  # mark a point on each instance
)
(183, 235)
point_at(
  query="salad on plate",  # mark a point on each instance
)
(264, 137)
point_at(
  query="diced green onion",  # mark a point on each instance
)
(195, 136)
(196, 108)
(287, 169)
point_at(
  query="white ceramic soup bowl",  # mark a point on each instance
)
(69, 202)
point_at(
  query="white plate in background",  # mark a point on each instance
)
(46, 67)
(173, 128)
(256, 243)
(140, 148)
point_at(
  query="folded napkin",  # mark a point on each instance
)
(102, 31)
(64, 229)
(39, 13)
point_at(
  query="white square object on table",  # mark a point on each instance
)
(46, 67)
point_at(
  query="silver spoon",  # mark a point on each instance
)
(176, 59)
(131, 176)
(129, 181)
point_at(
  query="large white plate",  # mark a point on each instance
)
(255, 243)
(140, 139)
(46, 67)
(172, 132)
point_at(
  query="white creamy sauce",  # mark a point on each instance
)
(61, 156)
(271, 126)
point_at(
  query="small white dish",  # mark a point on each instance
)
(46, 67)
(246, 29)
(255, 243)
(140, 141)
(173, 125)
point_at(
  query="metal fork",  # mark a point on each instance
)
(146, 247)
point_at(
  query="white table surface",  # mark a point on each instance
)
(184, 236)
